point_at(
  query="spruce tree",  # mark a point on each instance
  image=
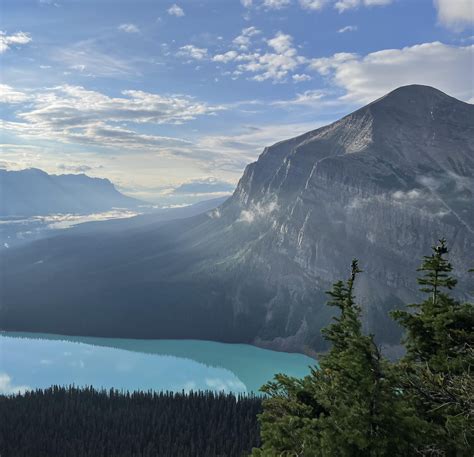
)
(437, 369)
(349, 406)
(440, 331)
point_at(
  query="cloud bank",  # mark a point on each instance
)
(75, 114)
(365, 78)
(315, 5)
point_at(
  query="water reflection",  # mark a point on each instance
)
(36, 360)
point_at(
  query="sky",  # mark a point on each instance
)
(171, 101)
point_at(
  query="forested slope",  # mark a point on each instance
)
(72, 422)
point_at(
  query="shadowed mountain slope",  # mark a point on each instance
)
(382, 184)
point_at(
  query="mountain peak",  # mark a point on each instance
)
(407, 97)
(416, 89)
(414, 129)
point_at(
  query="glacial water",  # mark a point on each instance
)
(31, 360)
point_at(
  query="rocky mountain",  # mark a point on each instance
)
(381, 184)
(33, 192)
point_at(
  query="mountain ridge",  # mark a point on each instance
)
(33, 192)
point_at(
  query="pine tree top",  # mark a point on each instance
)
(436, 269)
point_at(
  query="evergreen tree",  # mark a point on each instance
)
(437, 369)
(348, 407)
(440, 331)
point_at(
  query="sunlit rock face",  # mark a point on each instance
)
(382, 184)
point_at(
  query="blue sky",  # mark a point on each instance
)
(161, 96)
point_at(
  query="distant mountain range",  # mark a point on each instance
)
(33, 192)
(381, 184)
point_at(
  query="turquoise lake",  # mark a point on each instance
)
(31, 360)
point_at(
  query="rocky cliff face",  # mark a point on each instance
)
(381, 184)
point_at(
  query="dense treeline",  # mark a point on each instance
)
(358, 404)
(73, 422)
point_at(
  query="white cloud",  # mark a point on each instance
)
(317, 5)
(377, 2)
(7, 388)
(176, 10)
(455, 14)
(365, 78)
(307, 98)
(221, 156)
(129, 28)
(226, 57)
(192, 52)
(18, 38)
(324, 64)
(11, 96)
(257, 212)
(75, 115)
(74, 168)
(276, 4)
(313, 5)
(281, 42)
(234, 151)
(344, 5)
(79, 67)
(276, 65)
(244, 39)
(202, 187)
(215, 214)
(348, 28)
(84, 57)
(299, 78)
